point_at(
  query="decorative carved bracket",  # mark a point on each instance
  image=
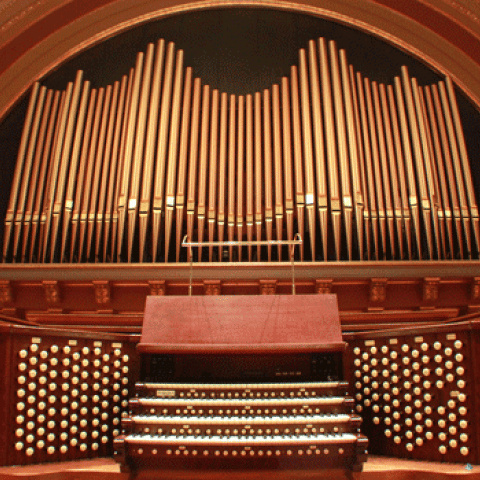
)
(324, 286)
(268, 287)
(378, 290)
(377, 294)
(430, 291)
(52, 293)
(6, 293)
(102, 292)
(212, 287)
(157, 287)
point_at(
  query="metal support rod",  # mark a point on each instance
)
(296, 241)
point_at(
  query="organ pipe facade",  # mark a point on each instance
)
(362, 170)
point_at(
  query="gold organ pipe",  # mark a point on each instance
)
(366, 228)
(162, 144)
(114, 168)
(462, 194)
(99, 166)
(249, 180)
(34, 182)
(73, 174)
(297, 155)
(450, 172)
(319, 144)
(149, 159)
(222, 173)
(277, 157)
(182, 158)
(258, 169)
(467, 175)
(56, 160)
(203, 166)
(50, 167)
(370, 176)
(439, 220)
(391, 163)
(128, 154)
(173, 150)
(65, 161)
(438, 159)
(240, 180)
(287, 159)
(377, 172)
(343, 154)
(26, 174)
(37, 208)
(139, 148)
(357, 193)
(423, 134)
(84, 210)
(121, 158)
(268, 170)
(407, 151)
(19, 168)
(400, 169)
(307, 151)
(193, 156)
(212, 171)
(332, 160)
(418, 159)
(231, 173)
(385, 173)
(80, 180)
(109, 164)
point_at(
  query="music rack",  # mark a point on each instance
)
(292, 243)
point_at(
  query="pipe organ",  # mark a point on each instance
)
(374, 174)
(362, 170)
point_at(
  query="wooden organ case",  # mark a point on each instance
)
(243, 383)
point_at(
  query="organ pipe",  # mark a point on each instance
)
(362, 170)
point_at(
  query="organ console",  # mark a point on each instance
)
(241, 383)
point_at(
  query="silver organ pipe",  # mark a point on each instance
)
(360, 169)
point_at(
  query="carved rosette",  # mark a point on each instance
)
(430, 289)
(102, 292)
(52, 293)
(268, 287)
(6, 293)
(212, 287)
(378, 290)
(323, 286)
(157, 288)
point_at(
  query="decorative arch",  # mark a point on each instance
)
(40, 35)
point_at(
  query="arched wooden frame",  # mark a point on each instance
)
(46, 33)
